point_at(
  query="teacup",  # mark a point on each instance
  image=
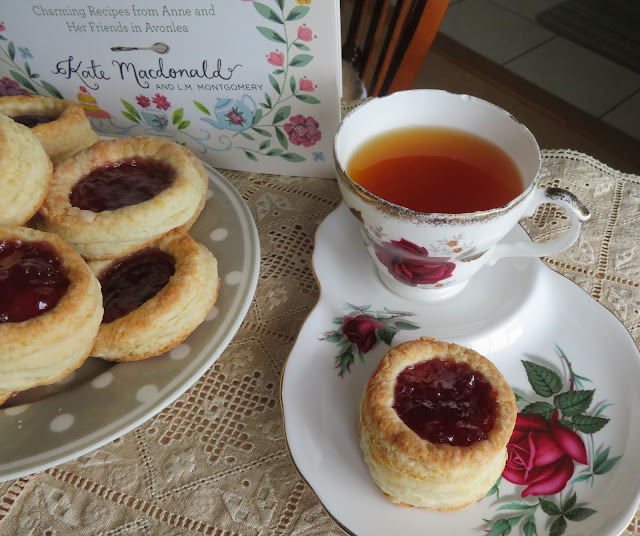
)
(432, 256)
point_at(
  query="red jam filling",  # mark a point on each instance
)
(444, 401)
(133, 280)
(32, 120)
(121, 184)
(31, 279)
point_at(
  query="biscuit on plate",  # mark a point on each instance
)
(154, 298)
(435, 421)
(120, 195)
(60, 125)
(25, 173)
(50, 309)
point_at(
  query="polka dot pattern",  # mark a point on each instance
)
(147, 393)
(15, 410)
(217, 235)
(180, 352)
(233, 278)
(102, 381)
(62, 422)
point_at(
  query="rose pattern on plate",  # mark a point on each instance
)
(360, 329)
(553, 438)
(411, 264)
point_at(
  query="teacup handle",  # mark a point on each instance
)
(577, 211)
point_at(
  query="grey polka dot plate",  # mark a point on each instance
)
(101, 401)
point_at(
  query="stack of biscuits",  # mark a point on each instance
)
(53, 171)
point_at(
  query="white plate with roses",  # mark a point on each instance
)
(574, 457)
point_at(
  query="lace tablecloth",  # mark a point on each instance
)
(216, 461)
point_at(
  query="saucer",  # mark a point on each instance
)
(559, 349)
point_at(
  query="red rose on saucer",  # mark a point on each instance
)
(411, 264)
(541, 455)
(361, 331)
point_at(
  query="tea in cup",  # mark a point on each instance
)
(436, 180)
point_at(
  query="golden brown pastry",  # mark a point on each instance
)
(435, 420)
(120, 195)
(61, 125)
(25, 173)
(154, 298)
(50, 309)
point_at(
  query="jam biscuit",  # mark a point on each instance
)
(60, 125)
(119, 195)
(154, 298)
(435, 420)
(50, 309)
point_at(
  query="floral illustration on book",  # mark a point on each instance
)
(274, 128)
(23, 80)
(361, 329)
(154, 112)
(552, 453)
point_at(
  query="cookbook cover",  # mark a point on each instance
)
(245, 84)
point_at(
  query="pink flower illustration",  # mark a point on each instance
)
(411, 264)
(361, 331)
(304, 33)
(10, 88)
(143, 101)
(306, 85)
(235, 117)
(542, 455)
(303, 130)
(276, 58)
(2, 27)
(161, 102)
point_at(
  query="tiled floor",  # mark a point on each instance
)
(506, 32)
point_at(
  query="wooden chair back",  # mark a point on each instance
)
(386, 41)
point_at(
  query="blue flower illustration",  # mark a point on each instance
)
(26, 53)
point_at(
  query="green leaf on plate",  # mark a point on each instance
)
(549, 507)
(588, 424)
(541, 409)
(606, 466)
(579, 514)
(558, 527)
(387, 334)
(573, 402)
(404, 324)
(544, 381)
